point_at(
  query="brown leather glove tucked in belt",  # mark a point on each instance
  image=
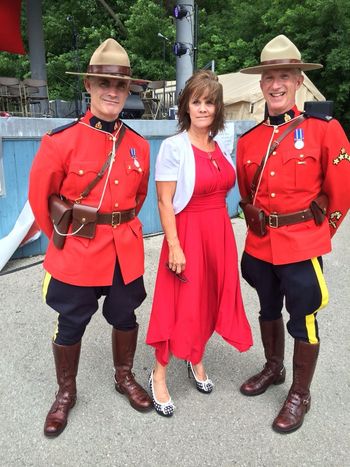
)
(116, 217)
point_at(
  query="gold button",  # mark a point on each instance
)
(301, 155)
(110, 138)
(248, 162)
(272, 173)
(129, 167)
(83, 220)
(273, 195)
(114, 226)
(277, 130)
(274, 153)
(139, 169)
(81, 171)
(116, 182)
(116, 205)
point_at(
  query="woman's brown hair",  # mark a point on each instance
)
(202, 83)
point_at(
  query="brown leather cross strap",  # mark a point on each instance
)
(98, 177)
(273, 146)
(278, 220)
(116, 217)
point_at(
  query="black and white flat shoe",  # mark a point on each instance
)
(204, 387)
(166, 409)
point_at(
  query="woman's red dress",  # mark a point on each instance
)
(185, 314)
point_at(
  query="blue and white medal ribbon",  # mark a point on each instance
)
(133, 155)
(298, 138)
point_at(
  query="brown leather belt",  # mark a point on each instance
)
(278, 220)
(116, 217)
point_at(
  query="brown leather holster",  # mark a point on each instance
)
(61, 215)
(84, 220)
(255, 218)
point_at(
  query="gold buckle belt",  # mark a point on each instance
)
(278, 220)
(116, 218)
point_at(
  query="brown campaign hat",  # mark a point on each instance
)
(280, 52)
(110, 60)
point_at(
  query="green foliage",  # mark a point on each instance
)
(231, 33)
(150, 55)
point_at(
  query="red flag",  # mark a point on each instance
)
(10, 27)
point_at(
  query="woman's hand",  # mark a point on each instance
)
(177, 260)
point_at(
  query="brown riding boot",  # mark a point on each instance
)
(298, 402)
(272, 336)
(124, 347)
(66, 362)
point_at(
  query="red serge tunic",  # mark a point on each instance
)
(67, 161)
(291, 179)
(185, 314)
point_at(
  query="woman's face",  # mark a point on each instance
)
(201, 111)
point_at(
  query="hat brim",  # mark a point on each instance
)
(260, 68)
(116, 76)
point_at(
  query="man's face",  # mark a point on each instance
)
(108, 96)
(279, 87)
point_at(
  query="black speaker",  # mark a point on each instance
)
(133, 108)
(324, 108)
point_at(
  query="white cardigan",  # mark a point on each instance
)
(175, 162)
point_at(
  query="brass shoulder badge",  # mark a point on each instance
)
(342, 156)
(287, 118)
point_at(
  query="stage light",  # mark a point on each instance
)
(180, 11)
(180, 49)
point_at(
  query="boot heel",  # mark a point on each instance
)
(308, 405)
(281, 377)
(118, 388)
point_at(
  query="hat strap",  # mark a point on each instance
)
(109, 69)
(281, 61)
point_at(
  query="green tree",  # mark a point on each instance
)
(146, 49)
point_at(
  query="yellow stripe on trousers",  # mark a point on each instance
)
(45, 287)
(310, 319)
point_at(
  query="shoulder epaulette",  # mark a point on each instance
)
(62, 128)
(326, 118)
(251, 129)
(131, 129)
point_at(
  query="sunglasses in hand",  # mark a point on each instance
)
(180, 275)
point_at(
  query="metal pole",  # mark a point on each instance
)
(36, 40)
(76, 53)
(37, 50)
(184, 34)
(195, 40)
(164, 77)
